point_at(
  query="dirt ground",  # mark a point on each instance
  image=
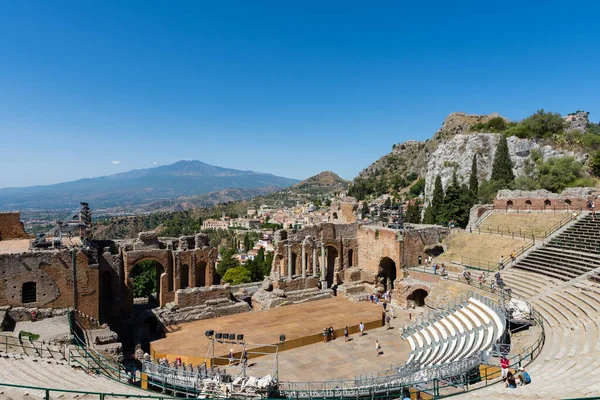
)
(535, 223)
(478, 249)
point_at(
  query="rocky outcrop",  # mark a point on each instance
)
(456, 153)
(577, 121)
(459, 123)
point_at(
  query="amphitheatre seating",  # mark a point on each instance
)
(17, 369)
(468, 329)
(574, 252)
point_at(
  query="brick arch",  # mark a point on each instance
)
(165, 281)
(402, 292)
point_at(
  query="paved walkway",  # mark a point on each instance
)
(345, 360)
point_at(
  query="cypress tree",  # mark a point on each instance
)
(437, 200)
(473, 181)
(502, 167)
(413, 212)
(451, 205)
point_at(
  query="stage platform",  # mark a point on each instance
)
(302, 324)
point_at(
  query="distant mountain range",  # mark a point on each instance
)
(142, 186)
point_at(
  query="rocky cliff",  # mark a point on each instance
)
(452, 148)
(457, 153)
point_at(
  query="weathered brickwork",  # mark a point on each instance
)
(11, 226)
(350, 252)
(569, 199)
(103, 284)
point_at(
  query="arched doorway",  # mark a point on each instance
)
(387, 272)
(350, 257)
(200, 274)
(106, 294)
(418, 296)
(294, 264)
(145, 277)
(184, 276)
(332, 255)
(509, 204)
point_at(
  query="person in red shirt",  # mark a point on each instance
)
(504, 364)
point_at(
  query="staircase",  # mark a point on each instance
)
(572, 253)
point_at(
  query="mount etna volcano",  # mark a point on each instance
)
(140, 186)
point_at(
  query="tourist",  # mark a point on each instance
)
(392, 312)
(510, 381)
(178, 362)
(384, 305)
(524, 378)
(481, 280)
(435, 268)
(139, 356)
(493, 287)
(346, 334)
(361, 326)
(504, 364)
(513, 256)
(387, 321)
(325, 335)
(231, 356)
(331, 333)
(245, 357)
(377, 347)
(443, 271)
(501, 263)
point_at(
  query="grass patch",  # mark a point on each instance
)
(29, 335)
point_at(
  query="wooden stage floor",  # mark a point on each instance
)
(302, 324)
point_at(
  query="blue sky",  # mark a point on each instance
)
(290, 88)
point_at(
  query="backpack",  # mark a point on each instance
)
(527, 377)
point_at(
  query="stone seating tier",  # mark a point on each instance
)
(468, 329)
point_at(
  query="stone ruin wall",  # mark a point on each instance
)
(103, 288)
(375, 244)
(52, 274)
(11, 226)
(569, 199)
(338, 238)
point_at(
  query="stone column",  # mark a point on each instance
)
(304, 259)
(314, 261)
(290, 266)
(323, 267)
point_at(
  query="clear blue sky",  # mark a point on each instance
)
(290, 88)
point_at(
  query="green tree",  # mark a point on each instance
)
(556, 174)
(365, 209)
(502, 166)
(388, 202)
(473, 181)
(228, 260)
(144, 278)
(595, 164)
(437, 200)
(413, 212)
(247, 243)
(450, 206)
(237, 276)
(541, 125)
(417, 188)
(428, 217)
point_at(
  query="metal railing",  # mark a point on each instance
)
(47, 393)
(492, 266)
(529, 233)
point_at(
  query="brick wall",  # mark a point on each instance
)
(198, 296)
(11, 226)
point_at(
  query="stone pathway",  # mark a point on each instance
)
(338, 359)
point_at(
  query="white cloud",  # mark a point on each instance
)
(154, 163)
(115, 162)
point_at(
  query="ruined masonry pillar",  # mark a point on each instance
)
(314, 262)
(323, 267)
(303, 259)
(290, 266)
